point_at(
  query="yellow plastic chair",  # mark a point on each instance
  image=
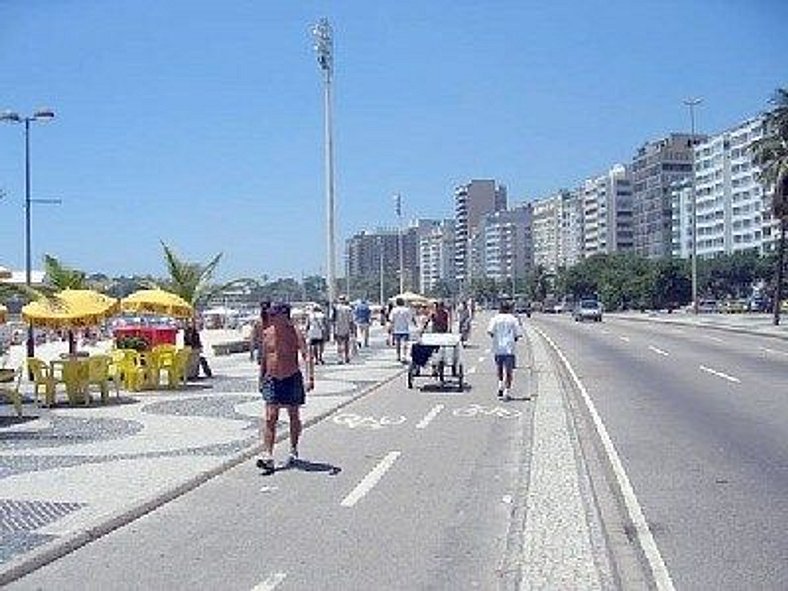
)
(162, 358)
(10, 381)
(133, 370)
(176, 373)
(43, 378)
(73, 372)
(98, 375)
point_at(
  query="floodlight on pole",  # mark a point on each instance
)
(400, 246)
(692, 103)
(41, 115)
(324, 47)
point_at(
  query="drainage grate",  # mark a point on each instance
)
(20, 516)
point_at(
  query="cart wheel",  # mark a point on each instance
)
(460, 383)
(410, 378)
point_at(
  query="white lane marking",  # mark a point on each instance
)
(658, 351)
(625, 339)
(767, 350)
(487, 351)
(719, 374)
(605, 331)
(481, 358)
(715, 339)
(472, 370)
(371, 479)
(429, 416)
(272, 582)
(642, 532)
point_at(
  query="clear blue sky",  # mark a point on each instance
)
(200, 123)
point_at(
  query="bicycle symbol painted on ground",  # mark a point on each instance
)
(477, 410)
(354, 421)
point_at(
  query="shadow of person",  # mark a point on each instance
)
(307, 466)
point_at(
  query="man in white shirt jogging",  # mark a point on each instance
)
(401, 319)
(505, 330)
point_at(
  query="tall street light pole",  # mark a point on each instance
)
(324, 46)
(41, 115)
(380, 263)
(400, 247)
(692, 103)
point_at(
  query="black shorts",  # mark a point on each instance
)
(287, 391)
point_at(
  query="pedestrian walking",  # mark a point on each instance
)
(464, 321)
(191, 338)
(282, 381)
(505, 330)
(315, 333)
(362, 316)
(343, 328)
(401, 319)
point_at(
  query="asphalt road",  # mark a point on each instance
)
(699, 418)
(403, 489)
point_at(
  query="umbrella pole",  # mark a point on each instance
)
(72, 343)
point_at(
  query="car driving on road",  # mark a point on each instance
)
(587, 310)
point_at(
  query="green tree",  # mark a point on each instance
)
(60, 277)
(771, 154)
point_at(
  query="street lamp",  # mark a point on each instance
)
(380, 265)
(324, 46)
(42, 115)
(400, 248)
(692, 103)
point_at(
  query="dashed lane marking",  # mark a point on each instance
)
(775, 351)
(625, 339)
(371, 479)
(715, 339)
(272, 582)
(719, 374)
(658, 351)
(422, 424)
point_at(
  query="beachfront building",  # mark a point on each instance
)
(656, 166)
(733, 211)
(607, 212)
(471, 202)
(436, 256)
(504, 252)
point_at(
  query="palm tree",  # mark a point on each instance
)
(192, 281)
(60, 277)
(771, 154)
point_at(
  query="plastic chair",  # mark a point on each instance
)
(162, 358)
(73, 372)
(98, 375)
(114, 369)
(133, 370)
(43, 377)
(176, 373)
(12, 377)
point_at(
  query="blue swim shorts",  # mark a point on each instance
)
(505, 361)
(287, 391)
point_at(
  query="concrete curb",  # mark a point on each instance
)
(51, 551)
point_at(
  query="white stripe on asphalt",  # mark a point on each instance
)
(719, 374)
(625, 339)
(643, 534)
(370, 480)
(767, 350)
(715, 339)
(429, 416)
(481, 358)
(658, 351)
(270, 583)
(472, 370)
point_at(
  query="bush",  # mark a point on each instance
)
(132, 342)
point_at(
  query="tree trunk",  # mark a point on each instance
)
(780, 267)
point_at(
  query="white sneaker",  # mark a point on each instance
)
(506, 396)
(293, 457)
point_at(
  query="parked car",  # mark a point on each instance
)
(734, 306)
(587, 310)
(708, 306)
(522, 306)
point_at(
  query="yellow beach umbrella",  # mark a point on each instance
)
(71, 308)
(157, 301)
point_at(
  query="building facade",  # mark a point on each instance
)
(436, 256)
(471, 202)
(607, 212)
(656, 166)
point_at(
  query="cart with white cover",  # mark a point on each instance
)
(438, 356)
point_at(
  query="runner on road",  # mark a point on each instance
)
(401, 319)
(505, 330)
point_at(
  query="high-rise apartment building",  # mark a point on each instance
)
(504, 242)
(436, 256)
(733, 212)
(655, 167)
(607, 212)
(471, 202)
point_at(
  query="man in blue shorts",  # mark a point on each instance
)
(401, 319)
(505, 330)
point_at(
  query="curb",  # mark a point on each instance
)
(51, 551)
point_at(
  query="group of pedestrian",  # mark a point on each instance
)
(284, 380)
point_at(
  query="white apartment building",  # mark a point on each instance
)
(436, 256)
(732, 209)
(504, 238)
(471, 202)
(607, 212)
(557, 230)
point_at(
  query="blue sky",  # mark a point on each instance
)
(200, 123)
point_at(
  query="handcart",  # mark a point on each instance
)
(437, 356)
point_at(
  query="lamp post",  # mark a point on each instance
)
(324, 46)
(380, 265)
(41, 115)
(400, 248)
(692, 103)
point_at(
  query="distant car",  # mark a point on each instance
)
(734, 306)
(522, 306)
(708, 307)
(587, 310)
